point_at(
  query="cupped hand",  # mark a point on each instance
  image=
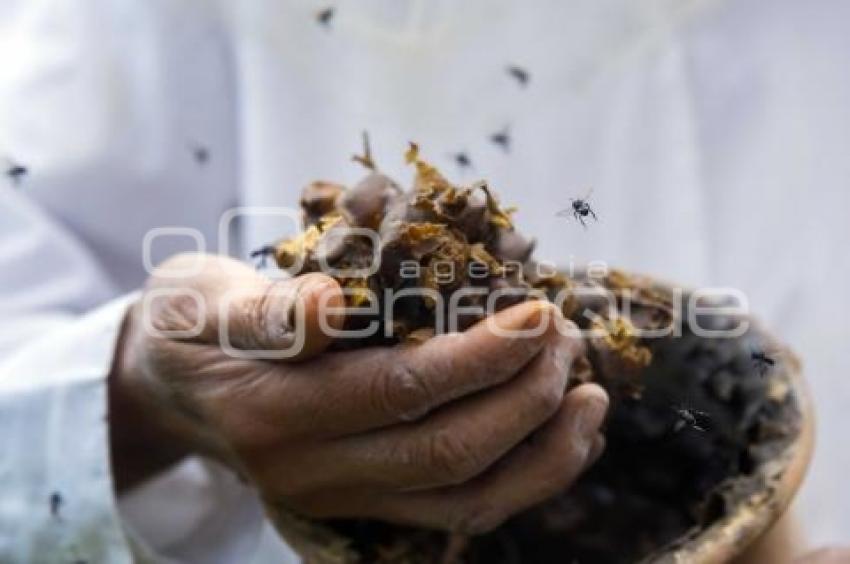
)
(458, 433)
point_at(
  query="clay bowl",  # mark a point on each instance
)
(742, 536)
(733, 537)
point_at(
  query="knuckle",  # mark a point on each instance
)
(405, 393)
(175, 311)
(545, 398)
(255, 332)
(264, 318)
(450, 458)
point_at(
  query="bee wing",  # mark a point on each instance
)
(583, 198)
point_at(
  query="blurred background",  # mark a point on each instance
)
(711, 137)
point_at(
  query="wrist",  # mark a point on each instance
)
(140, 443)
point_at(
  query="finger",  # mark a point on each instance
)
(348, 393)
(225, 302)
(530, 474)
(277, 320)
(597, 449)
(375, 388)
(464, 438)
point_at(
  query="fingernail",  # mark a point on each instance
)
(541, 314)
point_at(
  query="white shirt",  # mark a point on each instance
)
(714, 134)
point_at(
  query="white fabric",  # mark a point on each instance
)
(54, 442)
(714, 135)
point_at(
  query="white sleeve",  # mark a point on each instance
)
(57, 502)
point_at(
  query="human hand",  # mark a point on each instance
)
(434, 435)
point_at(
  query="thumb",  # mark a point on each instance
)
(248, 314)
(287, 320)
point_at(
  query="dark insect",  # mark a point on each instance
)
(366, 158)
(762, 362)
(325, 16)
(502, 138)
(262, 255)
(520, 74)
(579, 209)
(688, 417)
(55, 504)
(462, 160)
(16, 172)
(201, 154)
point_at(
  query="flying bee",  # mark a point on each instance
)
(462, 160)
(16, 172)
(55, 504)
(579, 209)
(262, 255)
(519, 74)
(325, 16)
(502, 138)
(688, 417)
(762, 362)
(200, 153)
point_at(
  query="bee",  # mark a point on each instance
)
(688, 417)
(579, 209)
(502, 138)
(55, 504)
(16, 172)
(262, 255)
(325, 16)
(200, 153)
(762, 362)
(519, 74)
(462, 160)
